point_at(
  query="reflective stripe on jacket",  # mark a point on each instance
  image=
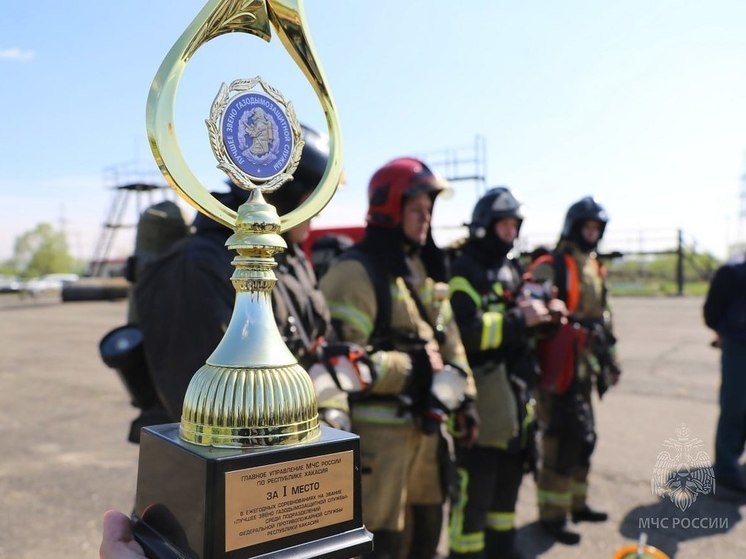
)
(352, 303)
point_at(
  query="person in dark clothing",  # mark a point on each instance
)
(725, 312)
(185, 299)
(495, 321)
(159, 228)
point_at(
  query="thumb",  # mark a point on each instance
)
(117, 541)
(117, 527)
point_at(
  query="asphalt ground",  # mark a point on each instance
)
(64, 418)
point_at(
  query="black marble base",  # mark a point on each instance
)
(300, 501)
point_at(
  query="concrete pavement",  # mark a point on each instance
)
(64, 418)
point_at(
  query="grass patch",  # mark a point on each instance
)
(656, 288)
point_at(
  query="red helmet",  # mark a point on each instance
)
(395, 181)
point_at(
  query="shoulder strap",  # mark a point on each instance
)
(293, 311)
(560, 274)
(421, 307)
(381, 288)
(566, 279)
(556, 259)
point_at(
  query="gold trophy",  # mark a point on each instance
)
(249, 471)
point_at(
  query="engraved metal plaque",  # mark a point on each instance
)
(228, 503)
(279, 500)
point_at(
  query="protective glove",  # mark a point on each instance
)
(467, 424)
(417, 389)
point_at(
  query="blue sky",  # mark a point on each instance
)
(641, 102)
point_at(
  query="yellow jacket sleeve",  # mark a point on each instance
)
(352, 304)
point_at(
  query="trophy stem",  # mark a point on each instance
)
(252, 391)
(249, 498)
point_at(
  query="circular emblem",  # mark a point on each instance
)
(254, 135)
(257, 135)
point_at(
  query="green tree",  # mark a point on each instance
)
(43, 250)
(8, 268)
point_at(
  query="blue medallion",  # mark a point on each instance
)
(257, 135)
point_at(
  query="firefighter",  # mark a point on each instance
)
(382, 294)
(160, 226)
(576, 355)
(495, 322)
(299, 307)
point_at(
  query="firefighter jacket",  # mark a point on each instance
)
(351, 296)
(585, 286)
(494, 333)
(299, 307)
(584, 292)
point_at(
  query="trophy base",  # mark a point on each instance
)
(300, 501)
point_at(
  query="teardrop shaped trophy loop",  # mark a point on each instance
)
(250, 431)
(251, 391)
(255, 17)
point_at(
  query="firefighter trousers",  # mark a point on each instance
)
(396, 460)
(489, 479)
(567, 441)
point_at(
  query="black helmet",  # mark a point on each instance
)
(581, 211)
(306, 177)
(496, 204)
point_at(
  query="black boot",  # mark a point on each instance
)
(587, 514)
(501, 545)
(386, 545)
(559, 531)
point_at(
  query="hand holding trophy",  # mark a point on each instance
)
(249, 471)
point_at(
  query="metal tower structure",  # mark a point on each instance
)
(127, 185)
(466, 164)
(459, 164)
